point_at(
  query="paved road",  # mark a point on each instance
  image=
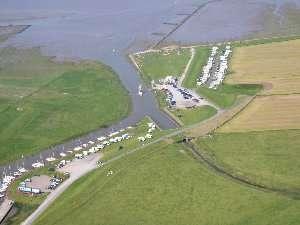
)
(86, 165)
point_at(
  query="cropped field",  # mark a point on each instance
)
(275, 65)
(157, 65)
(44, 103)
(163, 184)
(266, 157)
(267, 113)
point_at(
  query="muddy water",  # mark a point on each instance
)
(108, 30)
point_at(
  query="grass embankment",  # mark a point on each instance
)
(25, 203)
(45, 103)
(226, 95)
(192, 116)
(157, 65)
(270, 157)
(140, 130)
(163, 184)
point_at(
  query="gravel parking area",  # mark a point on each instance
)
(42, 182)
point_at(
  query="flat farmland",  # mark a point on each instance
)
(275, 65)
(45, 102)
(267, 113)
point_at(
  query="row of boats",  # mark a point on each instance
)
(91, 146)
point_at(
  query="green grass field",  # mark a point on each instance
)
(44, 102)
(163, 184)
(157, 65)
(195, 115)
(226, 95)
(200, 59)
(268, 157)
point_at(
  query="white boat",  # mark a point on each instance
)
(17, 174)
(78, 148)
(22, 170)
(38, 165)
(91, 142)
(140, 90)
(63, 154)
(50, 159)
(8, 179)
(101, 138)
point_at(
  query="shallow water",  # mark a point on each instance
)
(108, 30)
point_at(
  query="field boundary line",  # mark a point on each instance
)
(244, 107)
(213, 166)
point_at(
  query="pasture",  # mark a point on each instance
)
(267, 157)
(274, 65)
(267, 113)
(46, 102)
(226, 95)
(194, 115)
(157, 65)
(163, 184)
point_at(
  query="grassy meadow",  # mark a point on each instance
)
(46, 102)
(194, 115)
(140, 129)
(164, 184)
(266, 157)
(157, 65)
(226, 95)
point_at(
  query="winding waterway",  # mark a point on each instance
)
(109, 30)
